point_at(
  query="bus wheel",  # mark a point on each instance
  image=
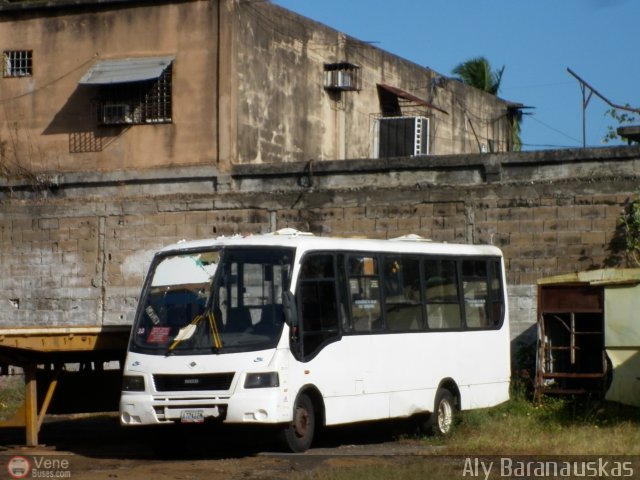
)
(298, 435)
(441, 421)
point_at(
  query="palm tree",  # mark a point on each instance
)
(476, 72)
(515, 114)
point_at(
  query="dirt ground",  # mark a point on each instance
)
(96, 447)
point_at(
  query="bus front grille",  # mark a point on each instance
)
(203, 381)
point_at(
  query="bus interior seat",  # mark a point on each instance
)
(238, 319)
(271, 318)
(361, 324)
(443, 316)
(273, 314)
(403, 317)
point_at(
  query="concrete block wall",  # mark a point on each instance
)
(49, 269)
(83, 261)
(77, 255)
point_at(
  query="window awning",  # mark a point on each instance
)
(389, 100)
(126, 70)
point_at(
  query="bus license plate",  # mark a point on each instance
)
(192, 416)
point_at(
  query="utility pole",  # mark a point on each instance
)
(584, 86)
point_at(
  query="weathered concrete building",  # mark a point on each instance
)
(113, 85)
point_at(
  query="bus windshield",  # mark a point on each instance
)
(184, 313)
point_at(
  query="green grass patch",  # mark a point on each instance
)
(11, 395)
(557, 426)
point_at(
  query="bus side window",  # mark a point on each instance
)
(441, 294)
(497, 297)
(402, 302)
(318, 300)
(364, 289)
(475, 284)
(343, 294)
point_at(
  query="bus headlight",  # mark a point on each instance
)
(262, 380)
(133, 383)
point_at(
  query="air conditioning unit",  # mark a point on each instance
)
(116, 114)
(338, 80)
(402, 137)
(341, 76)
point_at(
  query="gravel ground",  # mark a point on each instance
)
(96, 447)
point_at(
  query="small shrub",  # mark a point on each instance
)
(630, 223)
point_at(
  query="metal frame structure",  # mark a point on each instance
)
(578, 341)
(37, 349)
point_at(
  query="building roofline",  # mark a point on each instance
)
(36, 5)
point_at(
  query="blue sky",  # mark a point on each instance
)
(536, 40)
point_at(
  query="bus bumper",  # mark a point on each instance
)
(259, 406)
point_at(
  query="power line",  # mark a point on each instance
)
(49, 83)
(547, 145)
(584, 87)
(555, 130)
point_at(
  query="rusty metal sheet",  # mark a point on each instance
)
(607, 276)
(399, 93)
(571, 298)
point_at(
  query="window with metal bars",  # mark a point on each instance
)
(17, 63)
(137, 103)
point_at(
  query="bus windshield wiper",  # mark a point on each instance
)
(189, 330)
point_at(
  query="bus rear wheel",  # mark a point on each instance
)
(298, 435)
(442, 419)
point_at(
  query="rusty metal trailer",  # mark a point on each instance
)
(68, 362)
(589, 335)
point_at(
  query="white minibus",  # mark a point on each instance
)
(298, 332)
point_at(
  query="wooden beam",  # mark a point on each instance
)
(47, 399)
(65, 339)
(31, 405)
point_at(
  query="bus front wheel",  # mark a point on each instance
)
(298, 435)
(441, 421)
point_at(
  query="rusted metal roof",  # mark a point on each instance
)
(399, 93)
(630, 133)
(607, 276)
(125, 70)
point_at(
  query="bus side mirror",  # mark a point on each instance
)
(290, 309)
